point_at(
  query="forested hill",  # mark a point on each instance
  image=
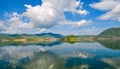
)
(110, 32)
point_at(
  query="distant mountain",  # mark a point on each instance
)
(50, 34)
(110, 32)
(41, 35)
(19, 35)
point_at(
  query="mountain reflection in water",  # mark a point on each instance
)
(61, 56)
(111, 44)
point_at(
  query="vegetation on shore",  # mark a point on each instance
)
(73, 38)
(109, 34)
(25, 39)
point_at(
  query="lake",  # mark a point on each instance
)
(61, 55)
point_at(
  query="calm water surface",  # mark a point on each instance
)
(60, 56)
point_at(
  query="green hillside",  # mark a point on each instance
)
(112, 32)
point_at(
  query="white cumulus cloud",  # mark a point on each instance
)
(105, 4)
(77, 23)
(15, 25)
(38, 18)
(52, 11)
(112, 8)
(114, 14)
(2, 27)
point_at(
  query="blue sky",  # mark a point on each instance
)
(83, 17)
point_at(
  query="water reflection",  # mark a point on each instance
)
(60, 56)
(89, 63)
(28, 58)
(44, 60)
(50, 43)
(115, 62)
(111, 44)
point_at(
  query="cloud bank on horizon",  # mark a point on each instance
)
(54, 15)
